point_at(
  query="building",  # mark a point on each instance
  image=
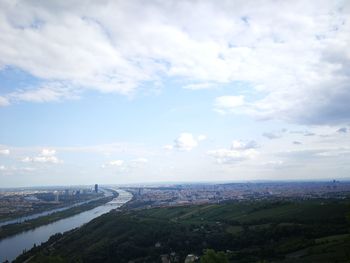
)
(96, 188)
(56, 196)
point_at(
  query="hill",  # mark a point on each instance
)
(256, 231)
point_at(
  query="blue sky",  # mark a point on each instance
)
(196, 91)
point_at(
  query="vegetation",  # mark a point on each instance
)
(210, 256)
(260, 231)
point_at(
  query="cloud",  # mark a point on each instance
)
(297, 143)
(48, 152)
(185, 142)
(47, 92)
(225, 156)
(342, 130)
(41, 159)
(242, 145)
(292, 56)
(273, 164)
(309, 134)
(113, 163)
(272, 135)
(9, 169)
(334, 152)
(4, 151)
(140, 160)
(239, 151)
(126, 165)
(54, 91)
(201, 137)
(199, 86)
(168, 147)
(303, 132)
(116, 163)
(227, 104)
(4, 101)
(46, 156)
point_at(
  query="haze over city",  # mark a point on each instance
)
(120, 92)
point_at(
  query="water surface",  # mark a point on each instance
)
(13, 246)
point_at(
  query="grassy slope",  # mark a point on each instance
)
(281, 232)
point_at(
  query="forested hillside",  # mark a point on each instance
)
(260, 231)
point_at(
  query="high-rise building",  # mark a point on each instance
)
(96, 188)
(56, 196)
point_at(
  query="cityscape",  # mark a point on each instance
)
(15, 203)
(174, 195)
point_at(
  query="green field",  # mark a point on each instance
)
(260, 231)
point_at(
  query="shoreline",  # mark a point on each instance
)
(17, 228)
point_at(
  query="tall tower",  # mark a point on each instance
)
(96, 188)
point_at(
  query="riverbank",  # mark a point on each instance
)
(46, 207)
(12, 229)
(15, 245)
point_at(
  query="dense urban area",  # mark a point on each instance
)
(184, 194)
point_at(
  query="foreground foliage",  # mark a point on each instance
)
(260, 231)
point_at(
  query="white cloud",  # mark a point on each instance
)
(293, 55)
(225, 156)
(122, 165)
(273, 164)
(140, 160)
(199, 86)
(46, 156)
(48, 152)
(244, 145)
(227, 104)
(4, 101)
(334, 153)
(4, 151)
(185, 142)
(168, 147)
(9, 169)
(42, 159)
(116, 163)
(201, 137)
(239, 151)
(54, 91)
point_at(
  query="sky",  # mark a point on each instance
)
(119, 92)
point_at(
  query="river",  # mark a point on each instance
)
(12, 246)
(49, 212)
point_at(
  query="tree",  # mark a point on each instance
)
(210, 256)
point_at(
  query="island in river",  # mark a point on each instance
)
(11, 247)
(12, 229)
